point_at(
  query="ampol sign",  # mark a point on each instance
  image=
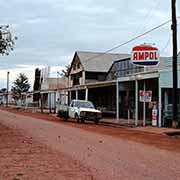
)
(145, 55)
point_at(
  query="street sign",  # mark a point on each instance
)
(148, 97)
(145, 55)
(145, 96)
(141, 96)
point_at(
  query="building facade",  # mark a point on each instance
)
(114, 84)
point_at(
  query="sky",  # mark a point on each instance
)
(50, 31)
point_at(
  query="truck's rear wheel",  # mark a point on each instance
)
(77, 118)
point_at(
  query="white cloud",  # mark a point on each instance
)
(85, 9)
(29, 70)
(37, 20)
(50, 31)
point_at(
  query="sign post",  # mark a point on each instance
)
(145, 97)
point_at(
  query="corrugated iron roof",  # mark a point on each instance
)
(97, 61)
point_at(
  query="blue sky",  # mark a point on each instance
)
(50, 31)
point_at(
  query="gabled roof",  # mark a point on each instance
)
(97, 61)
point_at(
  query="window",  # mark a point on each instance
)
(91, 76)
(72, 104)
(124, 68)
(84, 104)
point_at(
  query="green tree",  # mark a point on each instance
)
(20, 85)
(7, 40)
(3, 90)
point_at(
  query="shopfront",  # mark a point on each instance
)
(165, 99)
(130, 105)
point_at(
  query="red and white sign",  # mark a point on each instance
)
(145, 55)
(141, 96)
(154, 117)
(148, 96)
(145, 96)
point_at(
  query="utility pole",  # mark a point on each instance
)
(7, 88)
(174, 63)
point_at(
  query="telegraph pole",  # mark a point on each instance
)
(7, 88)
(174, 63)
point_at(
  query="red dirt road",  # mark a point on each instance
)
(159, 140)
(23, 158)
(33, 149)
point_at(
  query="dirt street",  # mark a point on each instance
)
(33, 149)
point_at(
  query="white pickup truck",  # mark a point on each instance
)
(80, 110)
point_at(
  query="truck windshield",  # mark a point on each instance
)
(84, 104)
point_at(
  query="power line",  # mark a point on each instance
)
(147, 17)
(118, 46)
(153, 9)
(166, 45)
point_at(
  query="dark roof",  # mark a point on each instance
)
(98, 61)
(163, 63)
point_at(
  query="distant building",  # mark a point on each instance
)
(37, 85)
(3, 98)
(50, 91)
(46, 89)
